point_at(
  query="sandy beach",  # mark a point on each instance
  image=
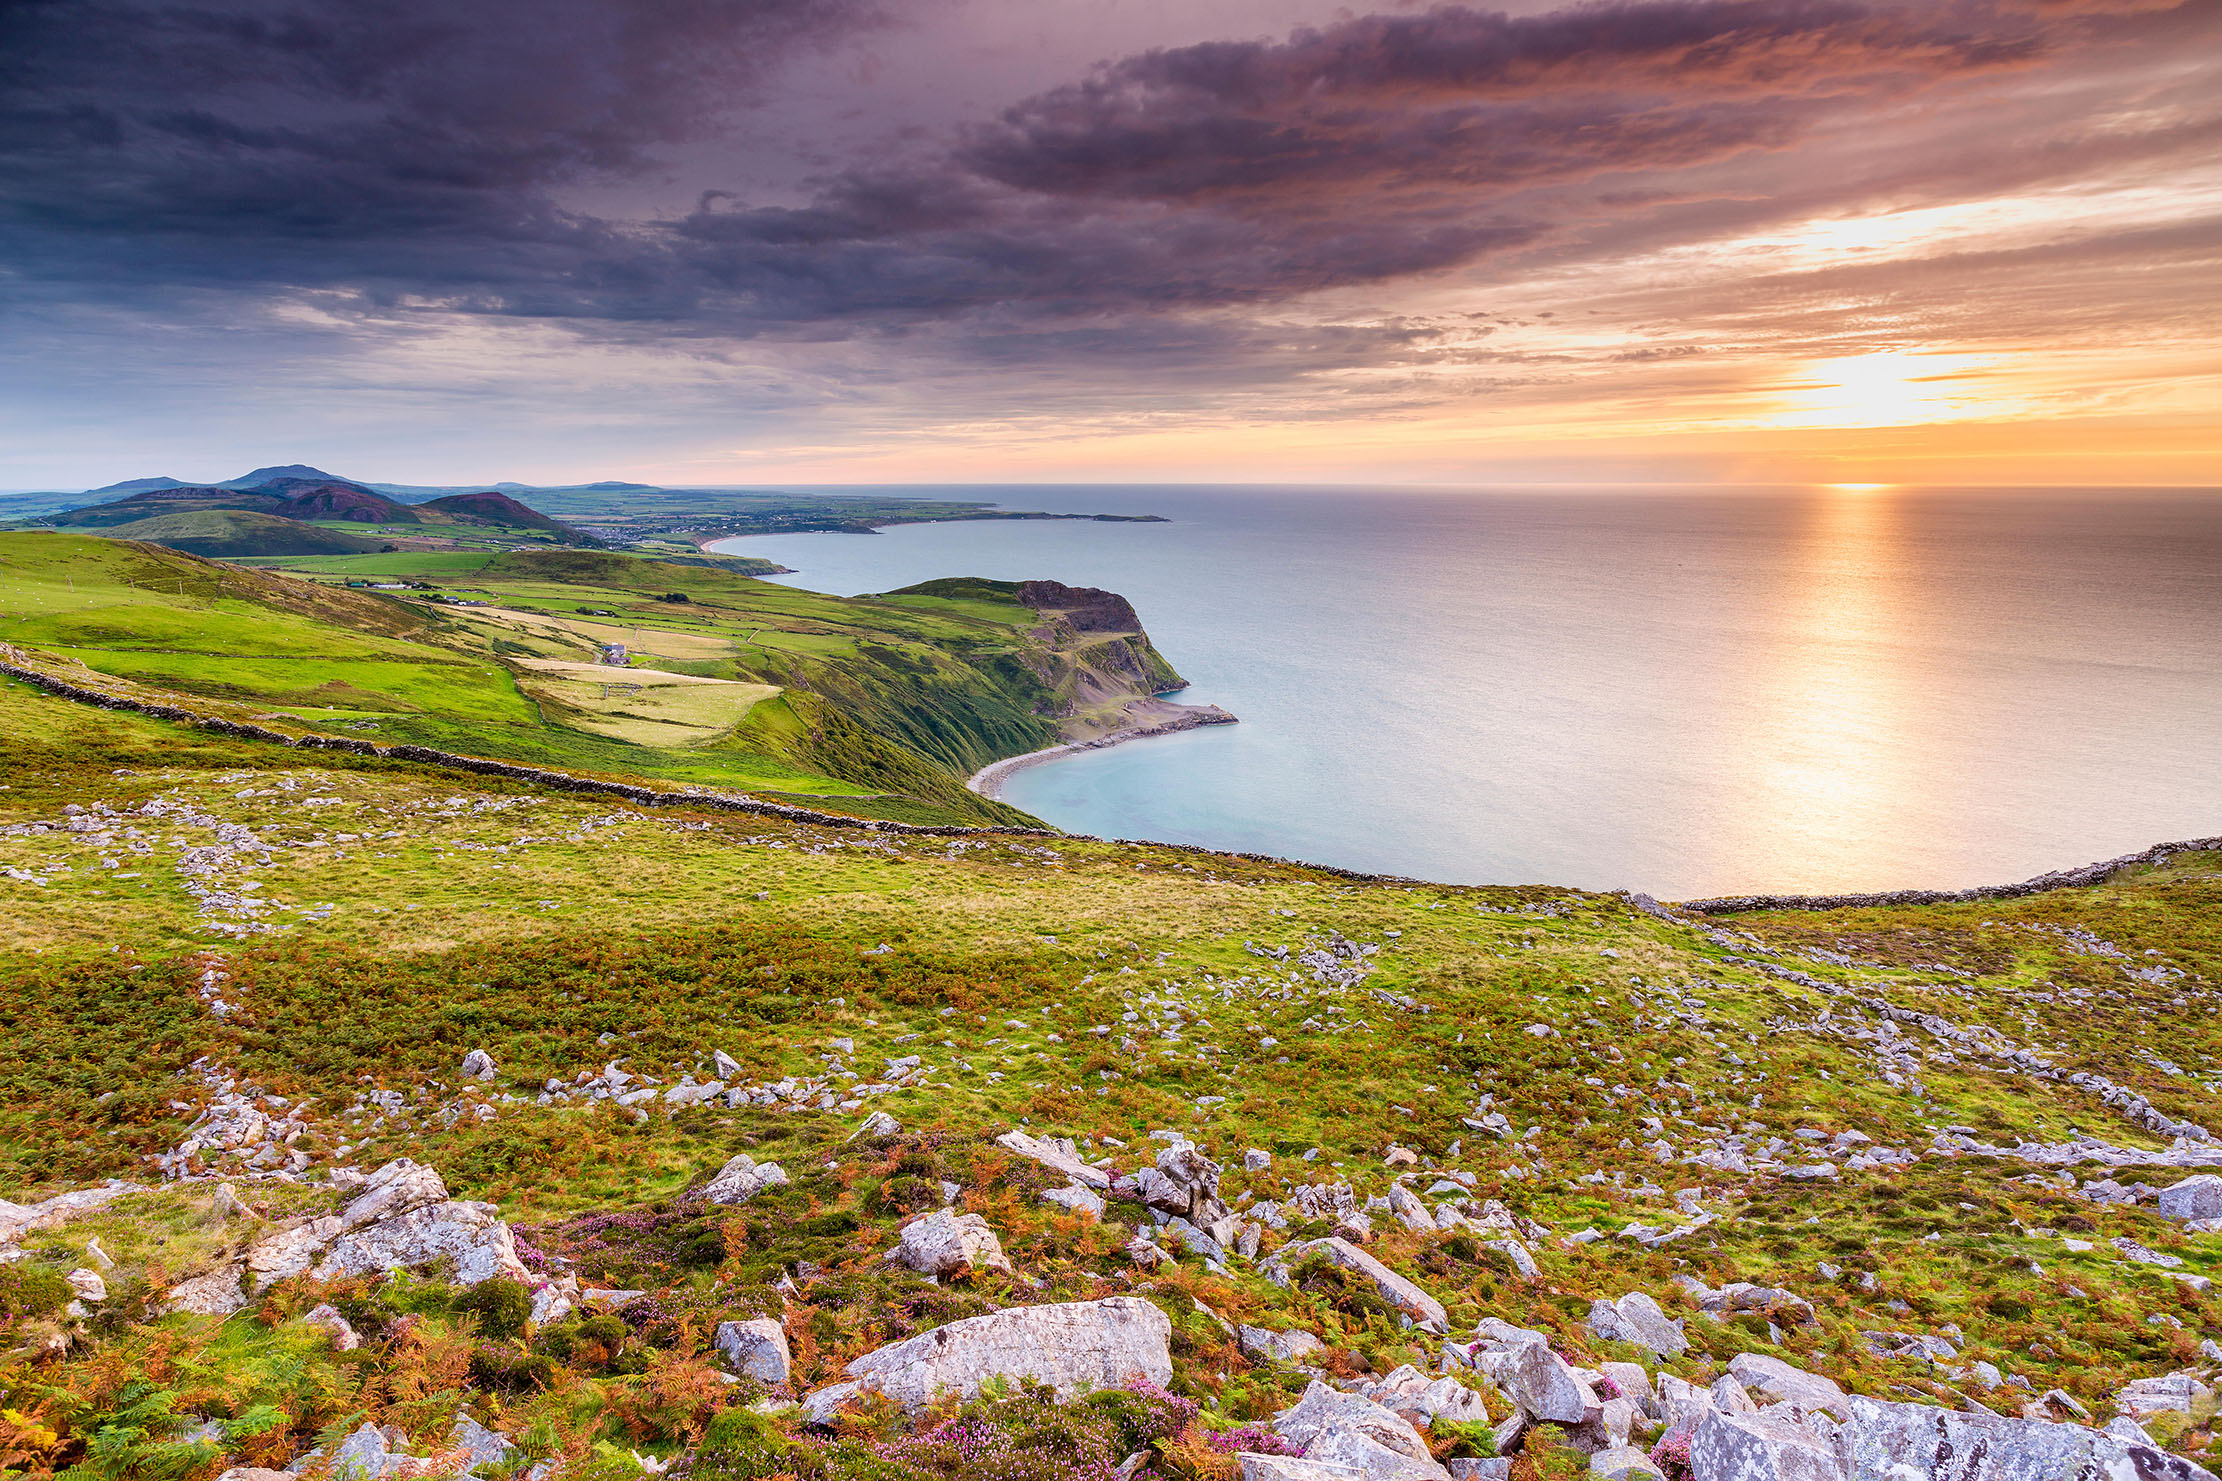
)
(988, 780)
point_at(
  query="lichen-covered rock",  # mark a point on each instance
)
(1624, 1463)
(469, 1235)
(1393, 1288)
(1419, 1399)
(395, 1188)
(1770, 1380)
(479, 1065)
(1057, 1155)
(1544, 1386)
(18, 1219)
(758, 1348)
(1262, 1346)
(1766, 1447)
(2196, 1197)
(1070, 1346)
(1637, 1318)
(215, 1294)
(742, 1179)
(1077, 1197)
(1884, 1442)
(290, 1252)
(1185, 1183)
(1256, 1467)
(1351, 1430)
(481, 1446)
(2142, 1398)
(944, 1243)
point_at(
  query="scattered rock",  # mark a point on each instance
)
(757, 1348)
(1262, 1346)
(481, 1446)
(479, 1065)
(1058, 1155)
(1544, 1386)
(1349, 1430)
(1637, 1318)
(878, 1124)
(326, 1317)
(945, 1243)
(1393, 1288)
(2197, 1197)
(215, 1294)
(1774, 1381)
(1069, 1347)
(742, 1179)
(1078, 1197)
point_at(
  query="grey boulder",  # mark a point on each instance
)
(1884, 1442)
(1772, 1381)
(742, 1179)
(1768, 1447)
(1257, 1467)
(1636, 1318)
(1070, 1347)
(1353, 1431)
(2197, 1197)
(1262, 1346)
(945, 1243)
(1058, 1155)
(756, 1347)
(1393, 1288)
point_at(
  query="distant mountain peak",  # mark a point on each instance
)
(141, 485)
(284, 470)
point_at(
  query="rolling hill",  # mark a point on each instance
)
(306, 497)
(239, 533)
(1147, 1156)
(888, 704)
(498, 511)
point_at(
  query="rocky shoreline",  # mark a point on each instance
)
(1167, 719)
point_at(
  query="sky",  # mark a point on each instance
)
(792, 241)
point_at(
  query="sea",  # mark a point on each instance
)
(1684, 692)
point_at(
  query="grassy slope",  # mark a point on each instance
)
(238, 532)
(880, 699)
(417, 915)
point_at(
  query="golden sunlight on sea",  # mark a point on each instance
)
(1832, 760)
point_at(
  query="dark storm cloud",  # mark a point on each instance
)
(420, 154)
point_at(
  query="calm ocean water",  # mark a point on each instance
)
(1685, 693)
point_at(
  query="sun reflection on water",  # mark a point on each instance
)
(1832, 757)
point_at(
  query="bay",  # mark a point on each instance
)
(1685, 692)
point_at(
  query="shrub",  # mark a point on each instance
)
(31, 1290)
(499, 1308)
(510, 1369)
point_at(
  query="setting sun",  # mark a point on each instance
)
(1887, 389)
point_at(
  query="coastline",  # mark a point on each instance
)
(989, 779)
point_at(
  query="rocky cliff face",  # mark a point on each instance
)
(1086, 609)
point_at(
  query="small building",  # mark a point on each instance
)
(613, 654)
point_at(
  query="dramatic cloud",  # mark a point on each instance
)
(1382, 210)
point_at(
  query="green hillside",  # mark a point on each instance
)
(230, 533)
(199, 933)
(890, 703)
(1473, 1155)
